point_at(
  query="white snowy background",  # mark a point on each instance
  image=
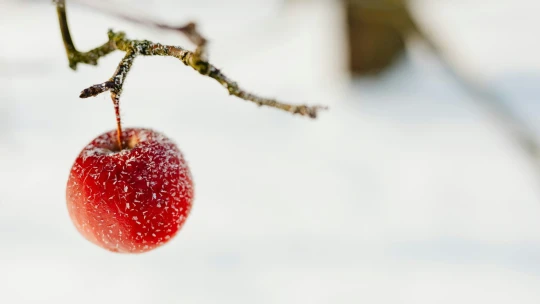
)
(404, 192)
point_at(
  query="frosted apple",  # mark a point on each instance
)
(129, 200)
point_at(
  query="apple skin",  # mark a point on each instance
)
(130, 201)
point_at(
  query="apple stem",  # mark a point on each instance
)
(116, 103)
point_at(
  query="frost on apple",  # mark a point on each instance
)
(131, 200)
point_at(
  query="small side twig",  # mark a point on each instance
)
(133, 48)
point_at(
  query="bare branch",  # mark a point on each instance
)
(189, 30)
(235, 90)
(91, 57)
(134, 48)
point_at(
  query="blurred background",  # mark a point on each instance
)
(419, 185)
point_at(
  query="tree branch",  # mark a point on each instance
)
(133, 48)
(189, 30)
(74, 56)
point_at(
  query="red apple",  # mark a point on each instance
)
(131, 200)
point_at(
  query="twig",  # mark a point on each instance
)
(189, 30)
(134, 48)
(91, 57)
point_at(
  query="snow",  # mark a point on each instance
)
(404, 192)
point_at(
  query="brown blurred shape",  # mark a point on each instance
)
(377, 30)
